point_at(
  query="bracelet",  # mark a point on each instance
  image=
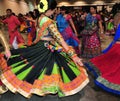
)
(71, 51)
(75, 55)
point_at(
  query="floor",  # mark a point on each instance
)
(89, 93)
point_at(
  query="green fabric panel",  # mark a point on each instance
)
(72, 63)
(65, 77)
(55, 69)
(42, 75)
(14, 56)
(68, 59)
(66, 56)
(51, 89)
(22, 75)
(75, 70)
(61, 94)
(14, 65)
(14, 70)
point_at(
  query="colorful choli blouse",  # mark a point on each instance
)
(48, 29)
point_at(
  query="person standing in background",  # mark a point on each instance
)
(31, 29)
(91, 46)
(16, 39)
(66, 27)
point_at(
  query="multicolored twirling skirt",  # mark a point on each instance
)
(40, 70)
(106, 69)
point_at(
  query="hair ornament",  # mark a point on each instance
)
(43, 6)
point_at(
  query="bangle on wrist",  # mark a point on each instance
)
(75, 55)
(71, 51)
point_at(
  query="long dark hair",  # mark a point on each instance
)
(31, 14)
(95, 7)
(52, 4)
(37, 13)
(65, 9)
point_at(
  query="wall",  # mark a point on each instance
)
(98, 3)
(86, 2)
(17, 6)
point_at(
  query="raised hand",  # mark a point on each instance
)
(77, 60)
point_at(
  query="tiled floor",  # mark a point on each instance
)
(89, 93)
